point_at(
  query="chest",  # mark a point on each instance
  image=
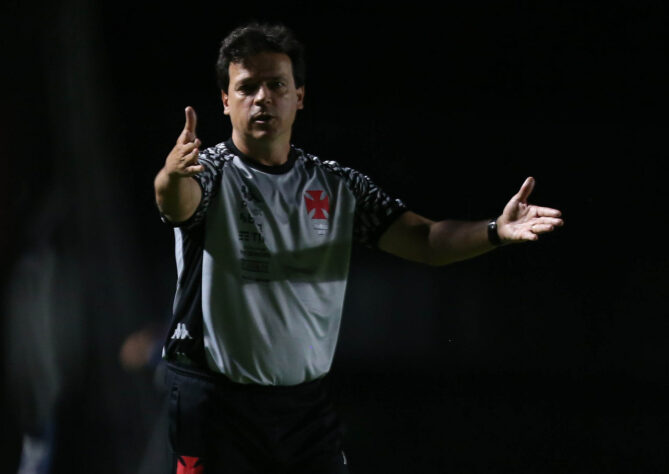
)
(304, 207)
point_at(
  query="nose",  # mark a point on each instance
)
(262, 95)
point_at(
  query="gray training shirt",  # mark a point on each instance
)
(263, 264)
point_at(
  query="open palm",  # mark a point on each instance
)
(522, 221)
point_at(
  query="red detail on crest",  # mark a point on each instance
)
(314, 200)
(189, 465)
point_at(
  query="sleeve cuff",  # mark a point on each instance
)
(390, 218)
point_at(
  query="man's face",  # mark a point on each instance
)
(262, 99)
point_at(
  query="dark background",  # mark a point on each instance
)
(542, 357)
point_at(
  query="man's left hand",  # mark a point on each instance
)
(521, 221)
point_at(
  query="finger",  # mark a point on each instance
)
(548, 212)
(525, 190)
(554, 221)
(184, 137)
(195, 169)
(191, 120)
(188, 133)
(528, 235)
(190, 158)
(190, 146)
(541, 228)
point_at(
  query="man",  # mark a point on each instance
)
(263, 235)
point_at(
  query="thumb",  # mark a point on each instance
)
(525, 189)
(191, 121)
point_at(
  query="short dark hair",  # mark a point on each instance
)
(253, 38)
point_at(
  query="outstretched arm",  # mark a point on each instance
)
(177, 193)
(416, 238)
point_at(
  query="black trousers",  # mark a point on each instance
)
(222, 427)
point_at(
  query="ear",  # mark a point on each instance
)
(300, 97)
(224, 99)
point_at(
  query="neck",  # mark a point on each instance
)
(265, 152)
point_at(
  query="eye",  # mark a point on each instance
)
(278, 84)
(246, 89)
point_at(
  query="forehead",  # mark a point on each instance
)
(261, 66)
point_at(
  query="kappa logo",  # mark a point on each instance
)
(189, 465)
(318, 201)
(181, 332)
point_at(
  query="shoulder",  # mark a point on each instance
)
(329, 166)
(214, 159)
(218, 155)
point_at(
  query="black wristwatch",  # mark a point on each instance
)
(493, 236)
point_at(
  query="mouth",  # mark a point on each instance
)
(261, 118)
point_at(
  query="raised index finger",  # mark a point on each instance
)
(525, 189)
(191, 120)
(188, 133)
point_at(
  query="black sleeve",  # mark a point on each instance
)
(207, 179)
(375, 210)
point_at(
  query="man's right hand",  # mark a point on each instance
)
(182, 160)
(178, 198)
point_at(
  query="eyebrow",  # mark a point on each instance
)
(247, 80)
